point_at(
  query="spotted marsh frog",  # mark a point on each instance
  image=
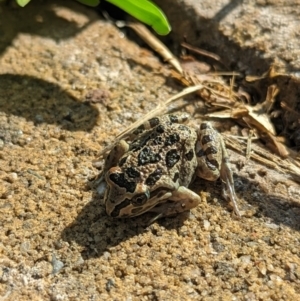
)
(152, 172)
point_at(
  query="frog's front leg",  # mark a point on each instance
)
(213, 161)
(182, 199)
(113, 158)
(115, 154)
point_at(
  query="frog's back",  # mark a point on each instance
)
(162, 155)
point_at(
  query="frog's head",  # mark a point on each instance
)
(125, 196)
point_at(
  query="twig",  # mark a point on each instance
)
(160, 109)
(153, 42)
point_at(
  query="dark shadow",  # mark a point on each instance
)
(40, 18)
(189, 26)
(97, 233)
(226, 10)
(42, 102)
(285, 111)
(279, 210)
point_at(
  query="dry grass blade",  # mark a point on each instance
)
(153, 42)
(270, 98)
(284, 105)
(258, 118)
(217, 89)
(216, 92)
(249, 142)
(269, 74)
(289, 167)
(201, 51)
(159, 110)
(260, 112)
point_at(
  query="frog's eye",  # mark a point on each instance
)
(140, 199)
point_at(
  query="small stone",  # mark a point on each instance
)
(101, 188)
(262, 268)
(57, 265)
(246, 258)
(13, 176)
(206, 224)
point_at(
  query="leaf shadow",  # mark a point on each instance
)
(42, 19)
(43, 102)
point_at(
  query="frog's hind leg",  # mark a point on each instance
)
(182, 199)
(208, 152)
(213, 161)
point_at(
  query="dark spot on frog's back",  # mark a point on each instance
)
(189, 155)
(176, 177)
(138, 130)
(154, 177)
(211, 150)
(119, 179)
(206, 139)
(172, 139)
(146, 156)
(160, 129)
(200, 153)
(132, 173)
(203, 126)
(173, 118)
(172, 157)
(153, 122)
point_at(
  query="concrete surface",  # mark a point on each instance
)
(70, 82)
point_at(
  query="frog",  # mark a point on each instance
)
(151, 170)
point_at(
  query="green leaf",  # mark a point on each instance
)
(89, 2)
(147, 12)
(22, 3)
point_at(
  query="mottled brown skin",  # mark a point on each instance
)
(152, 172)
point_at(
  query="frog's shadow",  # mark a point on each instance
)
(97, 232)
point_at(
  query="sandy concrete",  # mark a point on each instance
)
(69, 83)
